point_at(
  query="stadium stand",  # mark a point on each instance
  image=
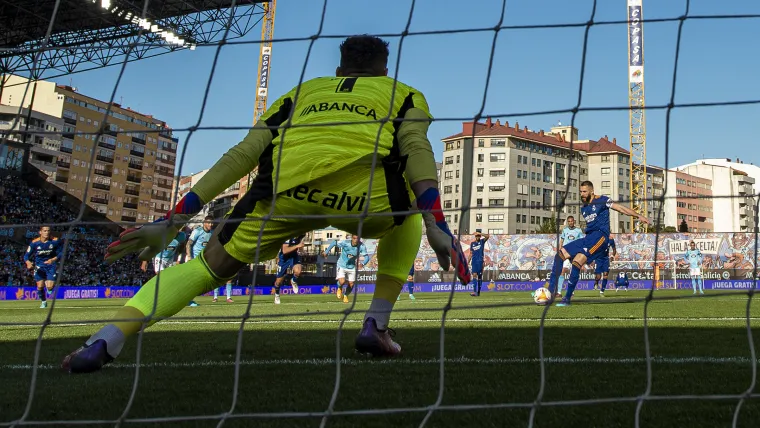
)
(29, 199)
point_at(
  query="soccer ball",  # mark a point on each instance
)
(541, 296)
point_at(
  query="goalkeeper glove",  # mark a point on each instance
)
(445, 245)
(152, 238)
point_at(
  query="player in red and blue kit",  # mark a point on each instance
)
(288, 258)
(477, 250)
(46, 252)
(593, 246)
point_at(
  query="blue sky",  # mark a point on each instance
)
(533, 70)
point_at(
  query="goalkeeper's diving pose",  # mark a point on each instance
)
(377, 159)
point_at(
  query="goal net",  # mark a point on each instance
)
(114, 115)
(660, 274)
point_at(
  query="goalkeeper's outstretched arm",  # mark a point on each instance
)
(422, 175)
(239, 161)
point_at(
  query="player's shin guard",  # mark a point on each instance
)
(556, 272)
(229, 291)
(560, 282)
(604, 284)
(575, 275)
(349, 289)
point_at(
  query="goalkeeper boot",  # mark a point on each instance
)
(88, 358)
(376, 343)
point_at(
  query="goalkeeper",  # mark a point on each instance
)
(372, 156)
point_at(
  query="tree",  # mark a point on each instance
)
(683, 227)
(549, 226)
(661, 228)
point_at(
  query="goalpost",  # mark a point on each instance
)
(662, 273)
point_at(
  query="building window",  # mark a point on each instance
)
(606, 170)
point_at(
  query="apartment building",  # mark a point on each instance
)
(513, 178)
(689, 199)
(121, 165)
(734, 194)
(40, 131)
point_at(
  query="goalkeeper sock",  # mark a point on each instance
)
(556, 272)
(604, 284)
(229, 291)
(575, 274)
(178, 285)
(386, 292)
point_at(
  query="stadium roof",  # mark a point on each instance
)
(96, 31)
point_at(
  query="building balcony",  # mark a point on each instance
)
(101, 186)
(128, 219)
(70, 121)
(61, 179)
(106, 145)
(138, 140)
(135, 165)
(164, 172)
(164, 185)
(162, 198)
(134, 179)
(104, 172)
(130, 205)
(63, 164)
(108, 159)
(65, 149)
(133, 192)
(97, 200)
(137, 153)
(69, 135)
(111, 132)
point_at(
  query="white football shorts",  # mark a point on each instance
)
(349, 274)
(695, 271)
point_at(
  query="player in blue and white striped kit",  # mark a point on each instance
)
(695, 259)
(45, 251)
(477, 253)
(349, 250)
(197, 242)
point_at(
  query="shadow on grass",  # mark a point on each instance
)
(192, 374)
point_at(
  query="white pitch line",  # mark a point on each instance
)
(408, 320)
(407, 361)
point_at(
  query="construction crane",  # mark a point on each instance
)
(265, 70)
(637, 119)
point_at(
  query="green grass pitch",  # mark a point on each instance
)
(595, 367)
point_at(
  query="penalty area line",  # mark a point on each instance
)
(406, 361)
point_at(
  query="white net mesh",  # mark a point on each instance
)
(654, 359)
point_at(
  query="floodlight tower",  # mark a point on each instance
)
(637, 119)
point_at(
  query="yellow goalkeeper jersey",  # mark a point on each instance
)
(336, 122)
